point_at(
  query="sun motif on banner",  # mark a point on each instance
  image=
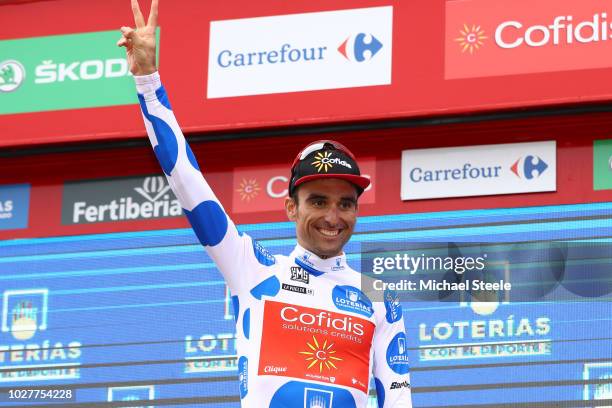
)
(322, 162)
(471, 38)
(248, 189)
(321, 354)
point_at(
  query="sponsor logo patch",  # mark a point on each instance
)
(351, 299)
(299, 274)
(297, 289)
(315, 344)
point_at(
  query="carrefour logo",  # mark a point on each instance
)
(529, 167)
(361, 47)
(300, 52)
(12, 74)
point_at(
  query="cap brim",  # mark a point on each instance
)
(360, 181)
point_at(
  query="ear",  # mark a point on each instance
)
(291, 208)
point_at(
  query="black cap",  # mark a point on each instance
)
(326, 159)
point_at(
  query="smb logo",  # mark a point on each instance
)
(529, 167)
(24, 312)
(361, 47)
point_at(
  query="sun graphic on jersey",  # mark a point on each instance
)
(248, 189)
(471, 38)
(322, 162)
(321, 354)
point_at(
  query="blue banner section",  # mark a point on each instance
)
(146, 315)
(14, 206)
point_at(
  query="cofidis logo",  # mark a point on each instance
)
(521, 36)
(278, 54)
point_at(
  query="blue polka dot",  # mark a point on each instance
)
(243, 376)
(302, 394)
(397, 354)
(380, 392)
(166, 150)
(246, 323)
(162, 96)
(209, 222)
(236, 304)
(268, 287)
(191, 157)
(262, 255)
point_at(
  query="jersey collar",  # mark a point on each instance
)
(315, 265)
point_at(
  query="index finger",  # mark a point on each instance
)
(138, 17)
(153, 14)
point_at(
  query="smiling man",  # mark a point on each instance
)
(307, 336)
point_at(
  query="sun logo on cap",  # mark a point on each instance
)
(471, 38)
(248, 189)
(322, 161)
(322, 354)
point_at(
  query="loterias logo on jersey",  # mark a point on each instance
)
(315, 344)
(120, 199)
(392, 306)
(397, 354)
(33, 357)
(351, 299)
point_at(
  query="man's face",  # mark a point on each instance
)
(325, 214)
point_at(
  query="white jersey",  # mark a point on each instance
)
(307, 336)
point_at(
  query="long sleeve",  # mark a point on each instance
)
(229, 249)
(391, 367)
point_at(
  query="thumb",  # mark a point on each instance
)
(128, 33)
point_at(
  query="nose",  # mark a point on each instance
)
(331, 216)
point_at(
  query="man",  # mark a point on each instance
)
(307, 336)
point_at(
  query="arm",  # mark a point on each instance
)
(391, 370)
(230, 250)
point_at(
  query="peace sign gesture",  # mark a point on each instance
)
(140, 43)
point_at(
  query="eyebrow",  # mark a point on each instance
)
(314, 196)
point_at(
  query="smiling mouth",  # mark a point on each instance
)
(329, 232)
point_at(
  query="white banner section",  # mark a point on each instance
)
(479, 170)
(300, 52)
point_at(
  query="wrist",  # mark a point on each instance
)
(147, 84)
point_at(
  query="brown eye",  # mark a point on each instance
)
(347, 205)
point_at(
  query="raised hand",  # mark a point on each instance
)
(140, 43)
